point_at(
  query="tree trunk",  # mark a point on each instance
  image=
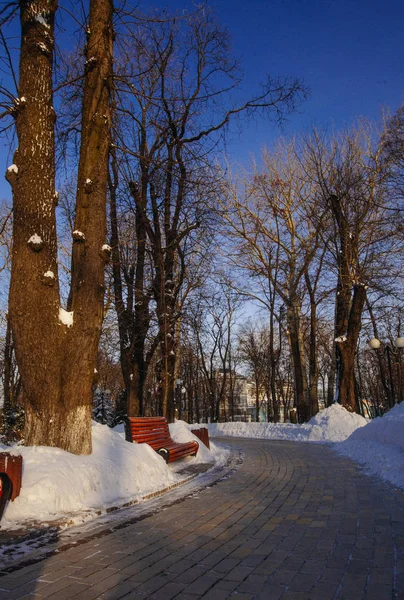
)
(331, 378)
(299, 367)
(346, 351)
(7, 371)
(257, 401)
(313, 362)
(313, 359)
(350, 300)
(57, 360)
(382, 369)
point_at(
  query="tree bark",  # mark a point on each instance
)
(56, 360)
(382, 369)
(299, 365)
(350, 300)
(313, 359)
(346, 351)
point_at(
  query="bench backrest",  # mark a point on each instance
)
(151, 430)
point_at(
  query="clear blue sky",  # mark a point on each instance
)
(350, 53)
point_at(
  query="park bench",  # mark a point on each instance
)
(203, 434)
(10, 478)
(154, 431)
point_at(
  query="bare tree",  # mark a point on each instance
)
(175, 101)
(352, 180)
(275, 240)
(253, 350)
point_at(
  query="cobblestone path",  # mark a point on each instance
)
(295, 521)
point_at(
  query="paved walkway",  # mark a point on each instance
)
(295, 521)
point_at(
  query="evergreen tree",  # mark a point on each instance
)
(103, 409)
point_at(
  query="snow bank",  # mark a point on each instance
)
(388, 429)
(379, 446)
(334, 424)
(58, 485)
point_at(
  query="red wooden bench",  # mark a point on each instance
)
(203, 434)
(10, 478)
(154, 431)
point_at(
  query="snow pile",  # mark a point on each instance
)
(334, 424)
(379, 446)
(388, 429)
(58, 485)
(181, 432)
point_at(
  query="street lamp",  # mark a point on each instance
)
(375, 344)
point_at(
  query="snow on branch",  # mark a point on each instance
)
(78, 236)
(35, 242)
(66, 317)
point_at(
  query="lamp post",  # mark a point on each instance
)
(375, 344)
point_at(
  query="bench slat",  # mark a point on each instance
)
(154, 431)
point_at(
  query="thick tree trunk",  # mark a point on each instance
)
(350, 300)
(346, 351)
(56, 360)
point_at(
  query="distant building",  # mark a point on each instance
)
(242, 400)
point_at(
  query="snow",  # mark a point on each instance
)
(35, 239)
(66, 317)
(40, 19)
(79, 234)
(12, 169)
(43, 47)
(377, 445)
(333, 424)
(61, 486)
(106, 248)
(341, 339)
(49, 274)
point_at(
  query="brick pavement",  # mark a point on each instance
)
(294, 522)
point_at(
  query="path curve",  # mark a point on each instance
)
(295, 521)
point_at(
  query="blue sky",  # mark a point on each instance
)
(350, 53)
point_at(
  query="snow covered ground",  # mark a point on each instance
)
(377, 445)
(61, 486)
